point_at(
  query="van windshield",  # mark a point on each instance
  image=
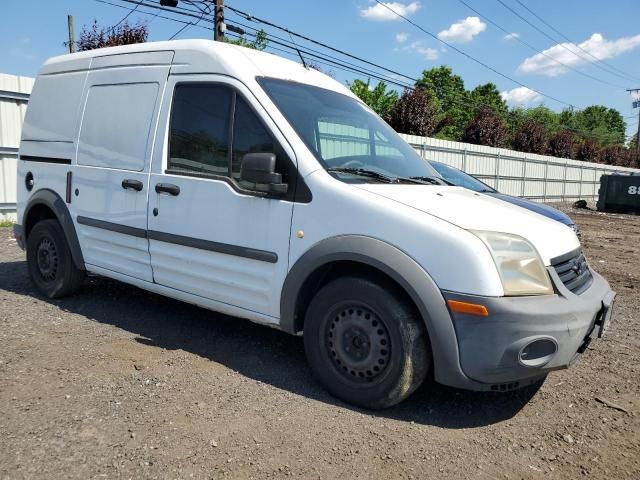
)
(346, 137)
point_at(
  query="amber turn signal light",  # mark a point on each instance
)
(468, 308)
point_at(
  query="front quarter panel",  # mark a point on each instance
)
(455, 259)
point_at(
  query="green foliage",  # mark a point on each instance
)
(414, 113)
(486, 128)
(460, 114)
(453, 99)
(95, 37)
(488, 96)
(378, 98)
(607, 124)
(260, 42)
(541, 115)
(531, 137)
(6, 223)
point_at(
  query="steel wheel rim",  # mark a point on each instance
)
(358, 343)
(47, 259)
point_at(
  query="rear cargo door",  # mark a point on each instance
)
(110, 177)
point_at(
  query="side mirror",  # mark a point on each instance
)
(260, 168)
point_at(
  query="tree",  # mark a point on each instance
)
(488, 95)
(486, 128)
(531, 137)
(605, 124)
(260, 41)
(415, 113)
(563, 144)
(541, 115)
(95, 36)
(589, 151)
(453, 99)
(378, 98)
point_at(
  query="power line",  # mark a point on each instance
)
(576, 44)
(205, 11)
(367, 71)
(319, 57)
(554, 40)
(517, 38)
(155, 15)
(470, 57)
(127, 15)
(252, 18)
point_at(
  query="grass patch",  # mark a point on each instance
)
(6, 223)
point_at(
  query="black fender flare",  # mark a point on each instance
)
(396, 264)
(56, 204)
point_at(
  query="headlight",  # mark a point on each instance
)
(519, 265)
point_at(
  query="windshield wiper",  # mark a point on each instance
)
(430, 180)
(362, 172)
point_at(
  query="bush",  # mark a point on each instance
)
(124, 34)
(531, 137)
(589, 151)
(415, 113)
(563, 144)
(486, 128)
(615, 155)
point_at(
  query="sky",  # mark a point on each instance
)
(566, 72)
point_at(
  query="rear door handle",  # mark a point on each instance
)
(130, 184)
(169, 188)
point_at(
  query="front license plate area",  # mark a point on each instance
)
(605, 316)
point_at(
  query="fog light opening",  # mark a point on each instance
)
(538, 352)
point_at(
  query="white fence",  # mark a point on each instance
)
(538, 177)
(14, 94)
(533, 176)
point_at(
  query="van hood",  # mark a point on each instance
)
(473, 211)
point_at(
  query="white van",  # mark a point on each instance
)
(246, 184)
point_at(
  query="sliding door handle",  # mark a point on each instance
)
(129, 184)
(169, 188)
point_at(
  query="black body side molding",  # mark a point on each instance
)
(33, 158)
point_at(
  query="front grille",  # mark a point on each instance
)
(573, 272)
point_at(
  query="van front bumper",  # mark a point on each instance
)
(524, 338)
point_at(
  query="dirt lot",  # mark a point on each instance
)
(119, 383)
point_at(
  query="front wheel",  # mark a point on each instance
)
(49, 261)
(365, 343)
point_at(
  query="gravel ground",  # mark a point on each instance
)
(119, 383)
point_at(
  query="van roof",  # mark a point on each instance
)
(199, 56)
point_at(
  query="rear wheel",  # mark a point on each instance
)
(365, 343)
(49, 260)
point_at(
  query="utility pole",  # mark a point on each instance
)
(218, 24)
(636, 104)
(72, 43)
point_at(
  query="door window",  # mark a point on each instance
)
(249, 136)
(199, 137)
(212, 128)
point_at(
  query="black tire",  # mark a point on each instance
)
(365, 343)
(49, 260)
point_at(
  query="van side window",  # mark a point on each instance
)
(199, 136)
(249, 136)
